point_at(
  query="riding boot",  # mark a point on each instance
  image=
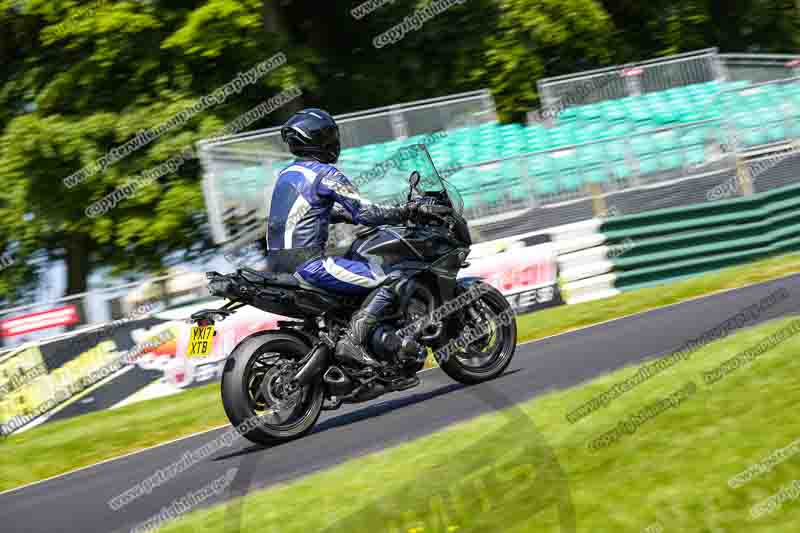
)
(351, 347)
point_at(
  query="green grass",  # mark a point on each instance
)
(64, 445)
(59, 447)
(492, 473)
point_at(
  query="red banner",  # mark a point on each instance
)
(19, 325)
(517, 269)
(527, 277)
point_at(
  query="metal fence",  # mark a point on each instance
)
(760, 67)
(239, 170)
(609, 83)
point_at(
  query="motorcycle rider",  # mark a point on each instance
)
(309, 195)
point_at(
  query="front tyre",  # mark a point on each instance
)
(487, 330)
(255, 394)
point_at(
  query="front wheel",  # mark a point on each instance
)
(255, 391)
(483, 341)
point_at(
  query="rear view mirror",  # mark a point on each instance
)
(413, 181)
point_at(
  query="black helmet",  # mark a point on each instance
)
(312, 133)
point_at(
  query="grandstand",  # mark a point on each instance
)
(654, 131)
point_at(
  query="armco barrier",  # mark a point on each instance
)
(670, 244)
(584, 262)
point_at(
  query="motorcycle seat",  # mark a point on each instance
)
(287, 281)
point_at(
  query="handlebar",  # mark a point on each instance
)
(432, 212)
(437, 210)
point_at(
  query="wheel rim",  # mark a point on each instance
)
(266, 383)
(493, 348)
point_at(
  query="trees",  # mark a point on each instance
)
(538, 38)
(91, 76)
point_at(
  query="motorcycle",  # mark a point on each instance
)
(283, 379)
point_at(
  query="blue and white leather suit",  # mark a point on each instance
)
(308, 196)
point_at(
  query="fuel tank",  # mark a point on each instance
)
(395, 243)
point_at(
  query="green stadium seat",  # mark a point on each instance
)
(518, 192)
(666, 114)
(695, 155)
(616, 150)
(618, 130)
(545, 186)
(621, 170)
(755, 136)
(470, 200)
(561, 136)
(643, 144)
(511, 170)
(589, 112)
(570, 180)
(565, 160)
(640, 114)
(540, 165)
(590, 132)
(666, 140)
(692, 137)
(649, 163)
(596, 174)
(776, 132)
(537, 141)
(764, 114)
(672, 159)
(616, 112)
(570, 113)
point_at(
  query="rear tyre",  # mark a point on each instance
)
(491, 319)
(255, 395)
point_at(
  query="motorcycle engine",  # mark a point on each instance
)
(384, 343)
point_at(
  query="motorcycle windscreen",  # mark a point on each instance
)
(386, 181)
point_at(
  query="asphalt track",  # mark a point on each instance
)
(77, 502)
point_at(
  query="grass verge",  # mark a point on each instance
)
(63, 445)
(59, 447)
(492, 474)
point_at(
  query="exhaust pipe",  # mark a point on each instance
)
(313, 368)
(337, 381)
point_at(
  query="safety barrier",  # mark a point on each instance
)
(584, 263)
(670, 244)
(629, 252)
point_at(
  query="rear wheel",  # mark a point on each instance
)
(256, 394)
(489, 334)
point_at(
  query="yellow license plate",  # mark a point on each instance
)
(200, 341)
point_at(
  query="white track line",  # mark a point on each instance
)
(580, 328)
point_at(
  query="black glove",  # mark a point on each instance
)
(410, 210)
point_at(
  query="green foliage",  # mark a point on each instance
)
(97, 74)
(538, 38)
